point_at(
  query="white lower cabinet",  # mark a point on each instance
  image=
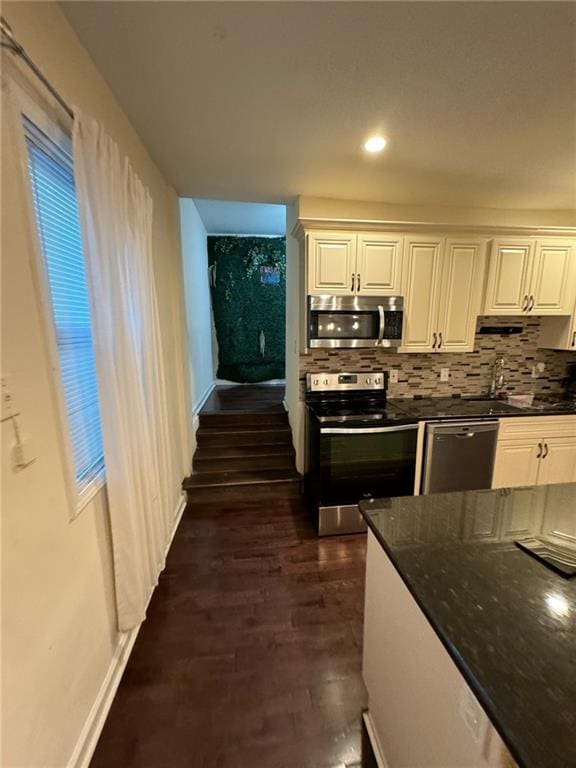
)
(535, 451)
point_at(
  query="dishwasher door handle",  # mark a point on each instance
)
(461, 435)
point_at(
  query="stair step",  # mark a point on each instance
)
(246, 477)
(223, 437)
(243, 420)
(243, 451)
(218, 463)
(281, 489)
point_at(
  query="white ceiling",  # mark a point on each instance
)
(267, 100)
(222, 218)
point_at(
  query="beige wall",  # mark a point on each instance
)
(323, 207)
(59, 625)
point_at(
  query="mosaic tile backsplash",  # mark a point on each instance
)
(470, 373)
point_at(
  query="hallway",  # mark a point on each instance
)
(251, 653)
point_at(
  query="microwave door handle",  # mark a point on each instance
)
(381, 329)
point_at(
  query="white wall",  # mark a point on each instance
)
(58, 610)
(198, 311)
(294, 307)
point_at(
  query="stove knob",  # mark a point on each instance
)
(368, 381)
(315, 382)
(326, 382)
(377, 380)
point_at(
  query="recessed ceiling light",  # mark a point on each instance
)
(375, 144)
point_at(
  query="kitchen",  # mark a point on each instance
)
(474, 571)
(478, 304)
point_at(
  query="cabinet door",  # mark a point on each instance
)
(509, 275)
(522, 513)
(421, 293)
(558, 462)
(553, 279)
(379, 265)
(331, 263)
(516, 463)
(460, 294)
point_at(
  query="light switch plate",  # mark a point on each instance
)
(444, 374)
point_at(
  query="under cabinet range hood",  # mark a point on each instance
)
(355, 321)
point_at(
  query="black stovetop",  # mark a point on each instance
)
(361, 410)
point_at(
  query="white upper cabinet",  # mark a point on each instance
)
(553, 278)
(423, 270)
(349, 264)
(531, 277)
(331, 263)
(443, 293)
(508, 288)
(460, 294)
(379, 265)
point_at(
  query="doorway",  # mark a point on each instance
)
(246, 246)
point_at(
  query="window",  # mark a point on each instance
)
(58, 223)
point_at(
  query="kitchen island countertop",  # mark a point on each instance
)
(507, 621)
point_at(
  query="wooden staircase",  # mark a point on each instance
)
(241, 456)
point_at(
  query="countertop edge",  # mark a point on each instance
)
(470, 679)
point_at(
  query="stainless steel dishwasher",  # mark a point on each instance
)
(459, 456)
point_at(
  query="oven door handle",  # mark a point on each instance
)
(381, 328)
(365, 430)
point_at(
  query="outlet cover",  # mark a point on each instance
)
(393, 377)
(444, 374)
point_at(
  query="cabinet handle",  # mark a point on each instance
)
(574, 339)
(532, 302)
(525, 303)
(358, 281)
(434, 336)
(440, 342)
(352, 286)
(545, 451)
(539, 454)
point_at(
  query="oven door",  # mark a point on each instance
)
(366, 462)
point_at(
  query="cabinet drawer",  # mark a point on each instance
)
(537, 427)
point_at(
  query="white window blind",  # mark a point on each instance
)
(57, 219)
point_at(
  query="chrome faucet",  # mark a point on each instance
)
(498, 377)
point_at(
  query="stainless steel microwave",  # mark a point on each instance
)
(355, 321)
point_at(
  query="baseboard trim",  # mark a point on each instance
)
(375, 744)
(90, 733)
(207, 392)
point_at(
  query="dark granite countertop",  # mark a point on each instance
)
(507, 620)
(445, 408)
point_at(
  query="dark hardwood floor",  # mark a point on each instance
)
(251, 653)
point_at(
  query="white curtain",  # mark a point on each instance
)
(116, 217)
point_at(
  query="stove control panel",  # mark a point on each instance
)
(343, 382)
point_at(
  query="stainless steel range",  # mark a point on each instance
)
(359, 447)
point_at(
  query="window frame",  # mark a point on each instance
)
(48, 121)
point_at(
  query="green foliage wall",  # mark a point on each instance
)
(248, 287)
